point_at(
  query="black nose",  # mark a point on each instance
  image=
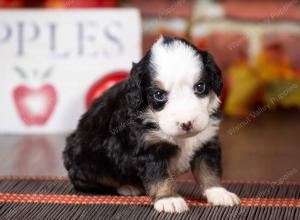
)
(187, 126)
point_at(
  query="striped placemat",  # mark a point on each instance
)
(55, 198)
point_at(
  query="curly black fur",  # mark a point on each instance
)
(108, 141)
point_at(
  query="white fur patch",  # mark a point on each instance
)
(128, 190)
(188, 146)
(178, 69)
(220, 196)
(172, 204)
(175, 63)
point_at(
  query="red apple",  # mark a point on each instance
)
(103, 84)
(35, 106)
(11, 3)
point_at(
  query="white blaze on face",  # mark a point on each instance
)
(179, 68)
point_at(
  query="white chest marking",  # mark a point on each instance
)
(182, 161)
(189, 146)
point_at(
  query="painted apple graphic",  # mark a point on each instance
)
(34, 105)
(103, 84)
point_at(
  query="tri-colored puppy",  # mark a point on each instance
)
(146, 130)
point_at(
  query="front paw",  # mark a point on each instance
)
(220, 196)
(171, 204)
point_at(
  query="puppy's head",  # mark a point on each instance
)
(180, 86)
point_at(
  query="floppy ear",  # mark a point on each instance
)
(214, 71)
(134, 91)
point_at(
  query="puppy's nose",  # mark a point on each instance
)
(187, 126)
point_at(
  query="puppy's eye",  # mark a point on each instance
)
(160, 96)
(200, 88)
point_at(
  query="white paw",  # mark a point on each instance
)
(128, 190)
(220, 196)
(171, 204)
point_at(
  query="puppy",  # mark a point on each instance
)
(145, 131)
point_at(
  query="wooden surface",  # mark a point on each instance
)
(265, 148)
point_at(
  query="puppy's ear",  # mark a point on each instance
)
(134, 93)
(215, 73)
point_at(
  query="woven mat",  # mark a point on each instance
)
(55, 198)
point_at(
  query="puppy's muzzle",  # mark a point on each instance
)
(186, 126)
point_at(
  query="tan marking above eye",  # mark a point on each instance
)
(160, 85)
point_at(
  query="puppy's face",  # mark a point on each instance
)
(184, 87)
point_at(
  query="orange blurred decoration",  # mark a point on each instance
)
(80, 3)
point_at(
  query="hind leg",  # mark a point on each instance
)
(90, 183)
(92, 187)
(129, 190)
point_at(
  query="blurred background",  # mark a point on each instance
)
(56, 56)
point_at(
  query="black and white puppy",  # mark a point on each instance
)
(146, 130)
